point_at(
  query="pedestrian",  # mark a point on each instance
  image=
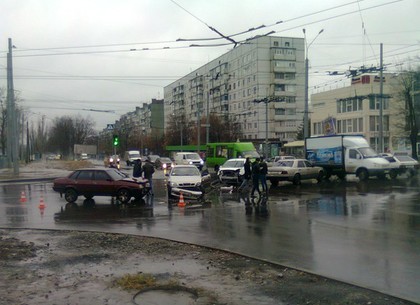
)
(137, 170)
(263, 174)
(148, 170)
(255, 177)
(247, 174)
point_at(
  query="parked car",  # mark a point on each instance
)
(114, 161)
(90, 182)
(403, 163)
(294, 170)
(153, 158)
(232, 171)
(163, 163)
(188, 180)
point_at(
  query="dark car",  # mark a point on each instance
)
(90, 182)
(163, 163)
(152, 158)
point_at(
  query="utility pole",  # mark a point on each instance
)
(381, 106)
(306, 111)
(12, 134)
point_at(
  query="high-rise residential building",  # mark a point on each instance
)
(259, 84)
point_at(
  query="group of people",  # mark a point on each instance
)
(257, 172)
(146, 170)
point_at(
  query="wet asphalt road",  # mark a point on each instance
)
(362, 233)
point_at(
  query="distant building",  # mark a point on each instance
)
(355, 109)
(261, 78)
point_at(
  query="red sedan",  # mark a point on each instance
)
(90, 182)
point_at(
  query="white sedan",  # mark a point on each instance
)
(294, 170)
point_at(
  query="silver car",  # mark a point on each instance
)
(188, 180)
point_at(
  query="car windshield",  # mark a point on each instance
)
(167, 160)
(134, 155)
(192, 156)
(368, 152)
(153, 157)
(404, 158)
(234, 163)
(185, 171)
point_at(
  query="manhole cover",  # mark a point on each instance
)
(161, 296)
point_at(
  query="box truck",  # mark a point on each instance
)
(347, 154)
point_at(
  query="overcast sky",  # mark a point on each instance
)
(75, 56)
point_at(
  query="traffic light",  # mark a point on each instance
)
(116, 140)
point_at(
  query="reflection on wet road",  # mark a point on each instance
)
(362, 233)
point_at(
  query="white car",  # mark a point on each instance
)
(188, 180)
(294, 170)
(403, 164)
(232, 171)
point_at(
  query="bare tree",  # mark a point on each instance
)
(409, 109)
(67, 131)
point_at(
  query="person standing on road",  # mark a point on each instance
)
(263, 175)
(247, 175)
(137, 168)
(148, 170)
(255, 177)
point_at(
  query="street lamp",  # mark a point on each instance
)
(305, 114)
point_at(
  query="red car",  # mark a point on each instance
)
(90, 182)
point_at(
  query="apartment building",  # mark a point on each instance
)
(260, 84)
(355, 109)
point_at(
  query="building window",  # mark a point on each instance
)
(280, 111)
(287, 44)
(276, 43)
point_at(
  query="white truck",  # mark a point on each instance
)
(347, 154)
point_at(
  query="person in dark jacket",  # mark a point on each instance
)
(255, 177)
(263, 174)
(148, 170)
(247, 175)
(137, 168)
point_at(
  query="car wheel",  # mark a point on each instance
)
(363, 174)
(123, 195)
(70, 195)
(341, 175)
(393, 174)
(320, 176)
(297, 180)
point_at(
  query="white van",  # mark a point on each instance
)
(130, 156)
(191, 158)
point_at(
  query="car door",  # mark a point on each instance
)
(84, 182)
(312, 172)
(301, 169)
(103, 183)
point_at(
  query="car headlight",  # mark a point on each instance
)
(111, 160)
(198, 184)
(201, 162)
(164, 165)
(174, 184)
(190, 162)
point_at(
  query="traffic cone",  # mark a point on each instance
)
(41, 203)
(181, 202)
(22, 197)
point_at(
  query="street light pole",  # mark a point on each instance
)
(306, 111)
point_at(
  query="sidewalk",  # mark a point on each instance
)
(37, 170)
